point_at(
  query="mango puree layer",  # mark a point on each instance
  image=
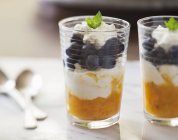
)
(161, 100)
(98, 108)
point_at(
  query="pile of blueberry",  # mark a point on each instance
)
(91, 58)
(158, 55)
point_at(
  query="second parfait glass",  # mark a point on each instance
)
(94, 61)
(158, 44)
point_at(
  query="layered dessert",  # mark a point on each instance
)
(159, 60)
(94, 68)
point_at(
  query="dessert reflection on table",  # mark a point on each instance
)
(157, 132)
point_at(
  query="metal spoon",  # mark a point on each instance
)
(7, 86)
(29, 84)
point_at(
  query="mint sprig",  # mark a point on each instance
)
(172, 24)
(95, 21)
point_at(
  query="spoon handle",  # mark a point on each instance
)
(17, 97)
(29, 121)
(39, 114)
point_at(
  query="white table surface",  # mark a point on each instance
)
(132, 125)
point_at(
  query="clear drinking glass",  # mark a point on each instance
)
(93, 74)
(159, 67)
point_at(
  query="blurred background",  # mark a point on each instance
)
(29, 28)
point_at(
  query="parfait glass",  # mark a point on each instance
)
(93, 73)
(159, 69)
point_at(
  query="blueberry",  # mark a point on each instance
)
(173, 52)
(72, 61)
(157, 56)
(87, 50)
(92, 62)
(158, 53)
(149, 43)
(103, 52)
(71, 66)
(153, 60)
(112, 46)
(76, 46)
(107, 62)
(82, 63)
(77, 38)
(121, 48)
(74, 51)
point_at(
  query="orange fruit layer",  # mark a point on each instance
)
(161, 100)
(99, 108)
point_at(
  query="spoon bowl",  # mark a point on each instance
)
(30, 81)
(7, 86)
(29, 84)
(5, 82)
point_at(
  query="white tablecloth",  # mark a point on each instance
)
(132, 125)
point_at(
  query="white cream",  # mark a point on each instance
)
(97, 36)
(150, 73)
(156, 75)
(171, 72)
(165, 38)
(87, 87)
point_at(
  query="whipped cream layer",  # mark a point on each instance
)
(97, 36)
(165, 38)
(157, 75)
(150, 73)
(93, 84)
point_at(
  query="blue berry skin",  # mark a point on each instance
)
(87, 50)
(158, 53)
(72, 61)
(82, 63)
(74, 51)
(173, 52)
(112, 46)
(71, 66)
(157, 56)
(149, 43)
(121, 48)
(154, 61)
(107, 62)
(92, 62)
(77, 38)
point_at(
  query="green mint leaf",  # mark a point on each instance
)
(95, 21)
(172, 24)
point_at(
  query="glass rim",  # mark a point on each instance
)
(140, 21)
(62, 26)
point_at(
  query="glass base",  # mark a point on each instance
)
(94, 124)
(162, 121)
